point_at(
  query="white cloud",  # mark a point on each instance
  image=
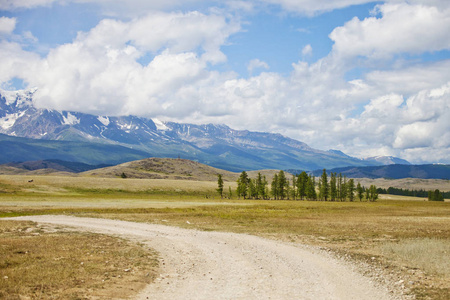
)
(7, 25)
(99, 71)
(410, 79)
(312, 7)
(421, 121)
(400, 110)
(307, 50)
(402, 28)
(256, 64)
(416, 135)
(15, 62)
(15, 4)
(112, 6)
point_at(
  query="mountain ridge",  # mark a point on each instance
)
(216, 145)
(394, 171)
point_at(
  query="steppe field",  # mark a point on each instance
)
(400, 241)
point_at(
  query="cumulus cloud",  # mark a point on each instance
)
(401, 28)
(159, 65)
(420, 121)
(7, 25)
(256, 64)
(307, 50)
(99, 72)
(411, 78)
(15, 62)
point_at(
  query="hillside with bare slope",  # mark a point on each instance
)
(164, 168)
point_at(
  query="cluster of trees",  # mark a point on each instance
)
(435, 195)
(301, 187)
(414, 193)
(338, 188)
(403, 192)
(256, 188)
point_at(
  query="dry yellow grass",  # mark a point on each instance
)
(358, 229)
(429, 254)
(164, 168)
(63, 184)
(38, 264)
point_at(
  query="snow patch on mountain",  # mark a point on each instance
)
(104, 120)
(160, 125)
(9, 120)
(20, 98)
(388, 160)
(10, 96)
(70, 119)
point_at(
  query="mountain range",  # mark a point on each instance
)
(30, 133)
(394, 171)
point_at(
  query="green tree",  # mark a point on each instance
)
(274, 186)
(351, 190)
(282, 185)
(324, 187)
(220, 185)
(435, 196)
(242, 187)
(230, 194)
(430, 195)
(294, 188)
(333, 189)
(252, 189)
(266, 188)
(359, 191)
(301, 184)
(311, 188)
(260, 188)
(344, 189)
(339, 187)
(373, 194)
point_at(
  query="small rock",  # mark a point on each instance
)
(6, 277)
(127, 270)
(188, 222)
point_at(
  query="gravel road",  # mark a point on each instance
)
(217, 265)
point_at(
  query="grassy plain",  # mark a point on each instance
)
(383, 234)
(39, 263)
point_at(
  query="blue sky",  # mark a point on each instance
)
(367, 78)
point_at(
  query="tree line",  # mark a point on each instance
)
(300, 187)
(435, 195)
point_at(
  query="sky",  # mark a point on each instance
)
(369, 78)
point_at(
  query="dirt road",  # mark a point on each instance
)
(217, 265)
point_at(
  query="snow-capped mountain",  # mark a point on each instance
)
(388, 160)
(216, 145)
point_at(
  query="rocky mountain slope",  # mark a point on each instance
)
(215, 145)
